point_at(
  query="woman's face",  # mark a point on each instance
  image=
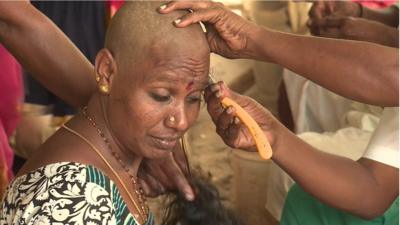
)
(153, 103)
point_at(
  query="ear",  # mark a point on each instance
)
(105, 70)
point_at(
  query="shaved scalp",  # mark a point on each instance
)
(137, 28)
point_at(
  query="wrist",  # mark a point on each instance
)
(259, 50)
(281, 137)
(250, 49)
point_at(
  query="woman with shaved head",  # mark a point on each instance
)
(150, 77)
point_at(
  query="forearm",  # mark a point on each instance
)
(388, 37)
(348, 68)
(391, 38)
(336, 181)
(388, 16)
(47, 53)
(383, 35)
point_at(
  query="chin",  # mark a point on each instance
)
(154, 153)
(154, 148)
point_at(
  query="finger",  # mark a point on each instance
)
(230, 135)
(330, 33)
(327, 27)
(163, 180)
(194, 5)
(146, 189)
(211, 16)
(330, 7)
(314, 31)
(314, 27)
(317, 22)
(332, 21)
(316, 10)
(149, 185)
(154, 187)
(214, 108)
(184, 187)
(227, 92)
(180, 181)
(179, 155)
(224, 120)
(210, 90)
(232, 132)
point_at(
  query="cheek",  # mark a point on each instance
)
(192, 113)
(147, 115)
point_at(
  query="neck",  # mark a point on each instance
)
(97, 110)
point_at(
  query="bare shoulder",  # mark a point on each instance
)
(62, 146)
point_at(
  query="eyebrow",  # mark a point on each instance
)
(171, 79)
(202, 85)
(205, 84)
(168, 79)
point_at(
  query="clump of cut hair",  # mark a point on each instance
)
(206, 209)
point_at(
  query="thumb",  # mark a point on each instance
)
(333, 21)
(227, 92)
(241, 100)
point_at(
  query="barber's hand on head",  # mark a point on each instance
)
(233, 132)
(157, 176)
(228, 34)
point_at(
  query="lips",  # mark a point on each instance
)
(166, 143)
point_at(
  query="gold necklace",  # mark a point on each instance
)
(142, 214)
(138, 189)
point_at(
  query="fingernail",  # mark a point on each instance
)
(218, 94)
(214, 88)
(236, 120)
(229, 110)
(189, 196)
(163, 7)
(162, 189)
(177, 21)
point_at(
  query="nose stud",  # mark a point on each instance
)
(171, 119)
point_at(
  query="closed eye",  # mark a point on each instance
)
(193, 100)
(160, 98)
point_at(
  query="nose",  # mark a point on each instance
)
(177, 119)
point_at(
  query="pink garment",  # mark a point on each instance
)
(376, 3)
(114, 5)
(11, 95)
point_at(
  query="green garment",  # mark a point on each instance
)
(303, 209)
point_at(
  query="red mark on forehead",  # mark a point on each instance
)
(189, 86)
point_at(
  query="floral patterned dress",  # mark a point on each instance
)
(65, 193)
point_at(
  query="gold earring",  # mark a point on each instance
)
(104, 88)
(97, 78)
